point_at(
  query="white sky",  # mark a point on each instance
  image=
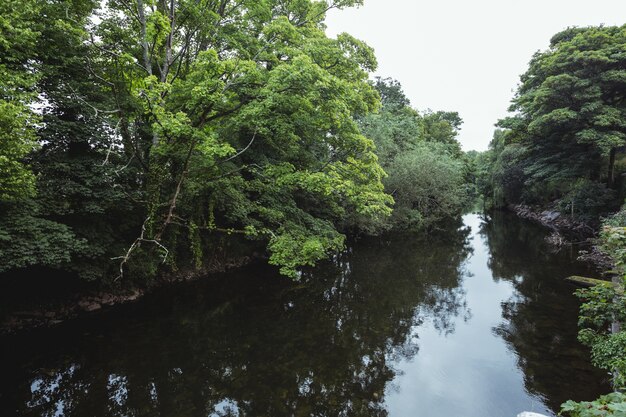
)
(465, 55)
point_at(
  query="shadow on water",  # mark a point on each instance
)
(254, 344)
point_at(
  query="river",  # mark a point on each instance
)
(472, 321)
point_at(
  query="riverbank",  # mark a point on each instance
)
(566, 231)
(79, 303)
(555, 221)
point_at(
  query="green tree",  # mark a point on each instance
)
(170, 125)
(571, 106)
(242, 117)
(18, 35)
(420, 153)
(62, 223)
(428, 186)
(443, 127)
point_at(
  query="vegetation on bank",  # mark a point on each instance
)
(563, 144)
(602, 312)
(136, 138)
(422, 158)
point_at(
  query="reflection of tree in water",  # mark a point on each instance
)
(540, 325)
(252, 345)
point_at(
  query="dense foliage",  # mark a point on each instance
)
(613, 404)
(18, 35)
(602, 312)
(568, 127)
(421, 156)
(136, 137)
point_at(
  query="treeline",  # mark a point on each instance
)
(563, 145)
(138, 136)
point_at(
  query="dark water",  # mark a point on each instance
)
(475, 321)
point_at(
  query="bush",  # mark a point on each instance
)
(604, 304)
(427, 185)
(613, 404)
(587, 200)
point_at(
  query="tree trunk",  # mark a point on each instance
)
(611, 174)
(141, 13)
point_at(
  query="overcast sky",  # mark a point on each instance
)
(462, 55)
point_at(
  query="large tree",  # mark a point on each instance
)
(169, 124)
(570, 106)
(250, 112)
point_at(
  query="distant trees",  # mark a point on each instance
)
(422, 157)
(427, 185)
(500, 173)
(443, 127)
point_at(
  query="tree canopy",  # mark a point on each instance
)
(138, 136)
(567, 127)
(422, 157)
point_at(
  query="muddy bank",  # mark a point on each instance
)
(570, 228)
(80, 303)
(567, 231)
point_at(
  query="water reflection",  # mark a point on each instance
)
(540, 317)
(392, 326)
(252, 344)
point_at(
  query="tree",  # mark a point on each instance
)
(443, 127)
(397, 127)
(192, 121)
(422, 158)
(66, 222)
(571, 105)
(18, 35)
(428, 186)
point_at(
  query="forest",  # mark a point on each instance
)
(148, 139)
(563, 144)
(139, 139)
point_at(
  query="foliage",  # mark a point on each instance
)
(609, 354)
(570, 102)
(421, 157)
(613, 239)
(18, 35)
(427, 185)
(500, 173)
(567, 125)
(604, 305)
(162, 128)
(28, 240)
(587, 200)
(613, 404)
(167, 126)
(443, 127)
